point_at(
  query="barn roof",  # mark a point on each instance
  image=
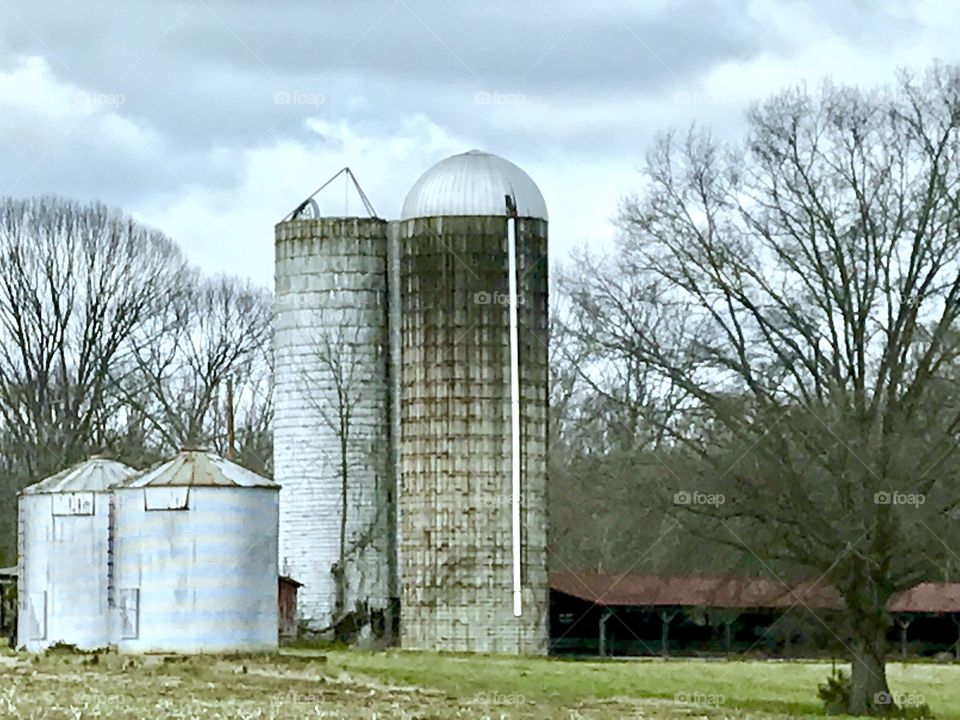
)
(612, 590)
(928, 597)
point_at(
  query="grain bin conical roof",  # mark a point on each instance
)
(93, 475)
(197, 468)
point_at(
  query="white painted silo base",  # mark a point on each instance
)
(197, 580)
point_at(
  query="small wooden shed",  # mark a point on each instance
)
(287, 605)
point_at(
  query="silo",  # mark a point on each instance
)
(195, 558)
(462, 530)
(65, 556)
(331, 431)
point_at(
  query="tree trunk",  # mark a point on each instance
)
(341, 579)
(869, 691)
(665, 620)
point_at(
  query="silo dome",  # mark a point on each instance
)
(473, 183)
(196, 558)
(65, 556)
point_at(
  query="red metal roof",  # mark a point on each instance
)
(929, 597)
(698, 591)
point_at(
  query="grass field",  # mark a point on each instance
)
(394, 685)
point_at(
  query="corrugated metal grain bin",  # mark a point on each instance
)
(196, 558)
(65, 557)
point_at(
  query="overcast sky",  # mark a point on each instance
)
(211, 119)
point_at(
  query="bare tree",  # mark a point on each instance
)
(76, 281)
(211, 330)
(797, 300)
(341, 364)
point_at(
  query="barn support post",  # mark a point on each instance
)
(903, 621)
(956, 623)
(604, 617)
(666, 617)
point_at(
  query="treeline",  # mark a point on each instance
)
(111, 342)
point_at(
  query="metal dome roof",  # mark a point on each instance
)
(473, 183)
(93, 475)
(196, 468)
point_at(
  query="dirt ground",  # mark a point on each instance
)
(78, 686)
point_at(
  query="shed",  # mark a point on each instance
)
(287, 607)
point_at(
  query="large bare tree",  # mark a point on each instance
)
(213, 330)
(76, 281)
(793, 302)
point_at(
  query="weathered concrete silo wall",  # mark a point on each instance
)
(332, 414)
(455, 453)
(195, 569)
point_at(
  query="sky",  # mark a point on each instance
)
(212, 119)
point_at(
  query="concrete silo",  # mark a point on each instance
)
(331, 430)
(195, 558)
(467, 542)
(66, 557)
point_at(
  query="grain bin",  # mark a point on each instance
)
(196, 558)
(459, 544)
(331, 430)
(65, 556)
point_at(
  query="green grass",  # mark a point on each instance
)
(308, 682)
(788, 688)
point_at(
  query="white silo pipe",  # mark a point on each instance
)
(514, 411)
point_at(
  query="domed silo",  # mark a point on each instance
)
(66, 556)
(196, 558)
(467, 542)
(331, 427)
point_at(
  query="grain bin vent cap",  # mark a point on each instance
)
(94, 475)
(196, 468)
(473, 183)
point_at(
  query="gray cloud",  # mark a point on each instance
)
(233, 109)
